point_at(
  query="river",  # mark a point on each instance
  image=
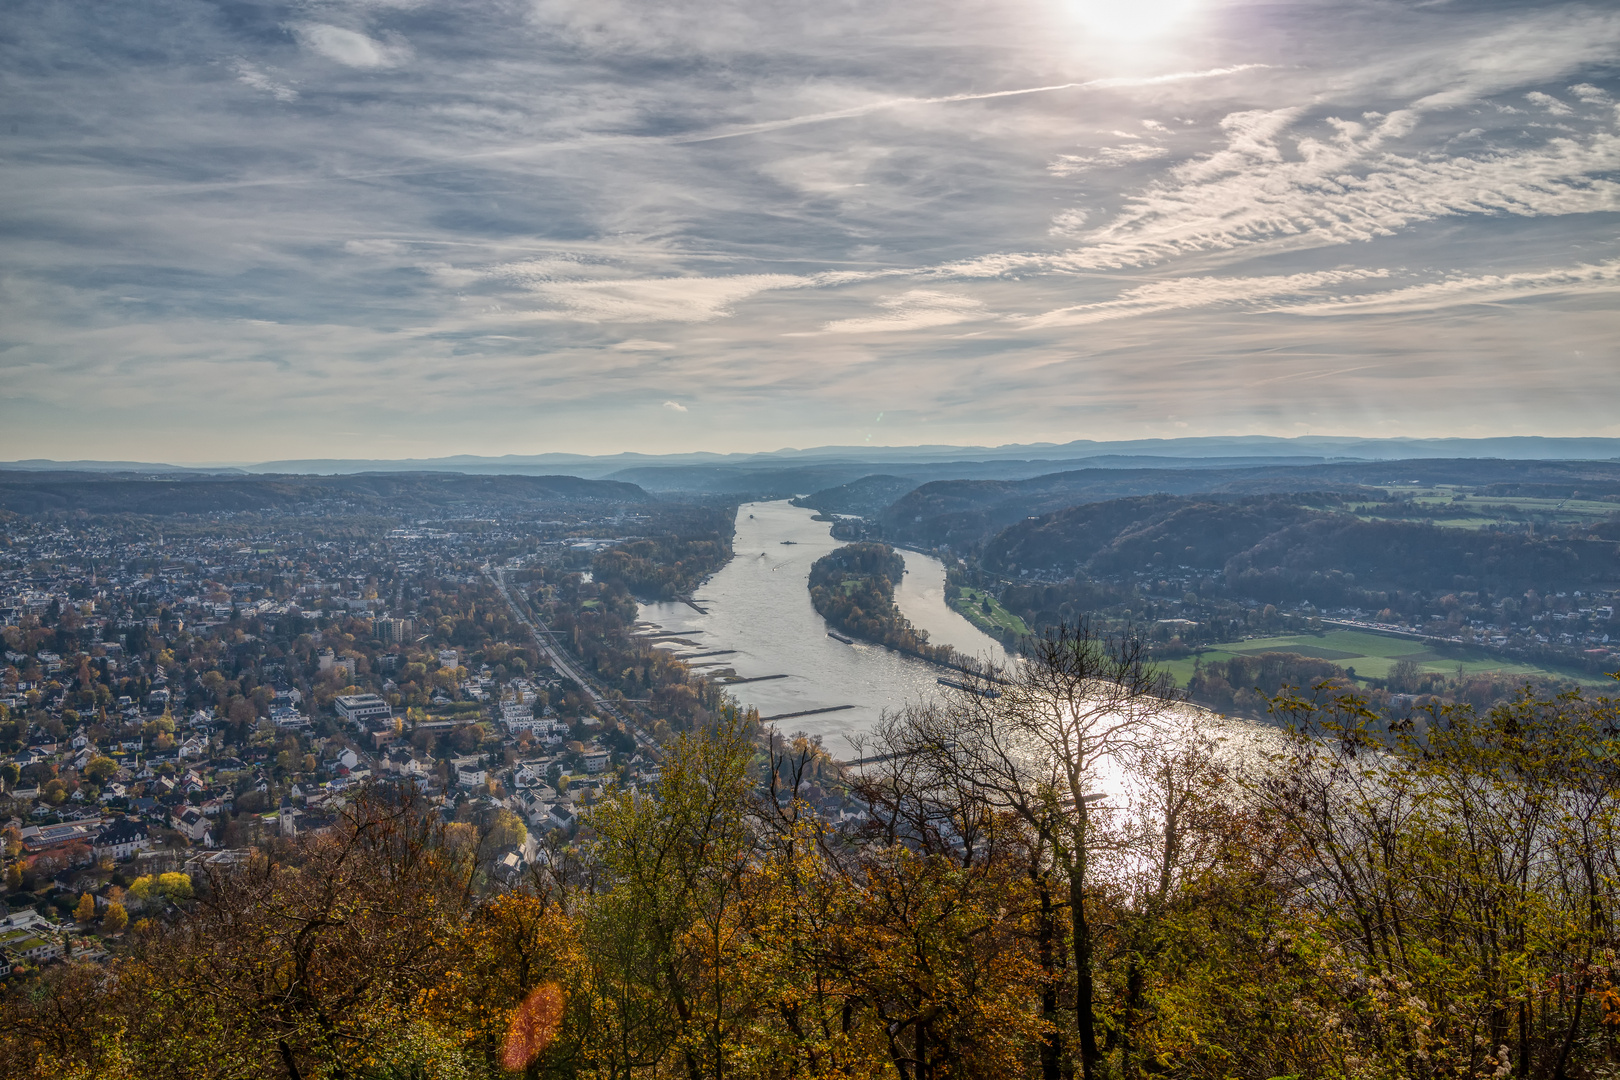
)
(757, 616)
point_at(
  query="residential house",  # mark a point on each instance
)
(19, 946)
(191, 824)
(121, 840)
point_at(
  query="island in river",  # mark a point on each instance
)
(758, 608)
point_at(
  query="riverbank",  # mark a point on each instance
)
(759, 606)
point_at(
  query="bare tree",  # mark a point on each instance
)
(1044, 741)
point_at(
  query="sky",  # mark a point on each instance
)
(237, 231)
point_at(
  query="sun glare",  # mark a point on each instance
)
(1131, 20)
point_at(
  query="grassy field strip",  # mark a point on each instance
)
(1372, 655)
(970, 604)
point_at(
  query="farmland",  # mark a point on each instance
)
(1371, 655)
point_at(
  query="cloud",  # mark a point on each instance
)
(1341, 190)
(372, 247)
(915, 309)
(1074, 164)
(251, 75)
(532, 210)
(870, 107)
(350, 47)
(674, 406)
(1184, 294)
(1069, 222)
(678, 300)
(1599, 279)
(833, 172)
(1548, 102)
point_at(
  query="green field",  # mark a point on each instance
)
(1372, 655)
(970, 604)
(1476, 511)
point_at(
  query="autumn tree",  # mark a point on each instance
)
(661, 933)
(1043, 742)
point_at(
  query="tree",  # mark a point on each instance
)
(1044, 742)
(114, 919)
(661, 936)
(311, 966)
(1465, 871)
(896, 950)
(100, 769)
(511, 947)
(86, 911)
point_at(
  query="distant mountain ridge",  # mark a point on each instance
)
(197, 493)
(1192, 452)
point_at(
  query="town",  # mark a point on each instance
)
(174, 702)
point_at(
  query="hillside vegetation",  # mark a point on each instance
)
(966, 513)
(1345, 906)
(1272, 548)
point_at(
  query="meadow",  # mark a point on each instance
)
(1371, 655)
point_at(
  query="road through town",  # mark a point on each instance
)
(554, 654)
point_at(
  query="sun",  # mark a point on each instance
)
(1131, 20)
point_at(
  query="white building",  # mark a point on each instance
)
(358, 708)
(121, 840)
(193, 826)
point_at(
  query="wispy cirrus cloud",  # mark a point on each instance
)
(1191, 293)
(543, 221)
(1130, 154)
(1343, 189)
(915, 309)
(351, 47)
(1602, 279)
(884, 104)
(249, 74)
(675, 300)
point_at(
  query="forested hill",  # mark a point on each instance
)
(1272, 547)
(964, 513)
(33, 493)
(866, 497)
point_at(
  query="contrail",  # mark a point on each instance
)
(895, 103)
